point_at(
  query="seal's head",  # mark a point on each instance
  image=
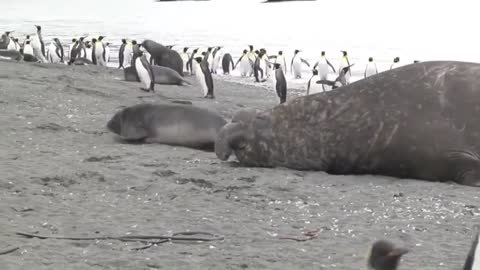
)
(115, 124)
(385, 256)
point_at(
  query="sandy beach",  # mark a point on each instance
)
(64, 174)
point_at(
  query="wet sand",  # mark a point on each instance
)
(64, 174)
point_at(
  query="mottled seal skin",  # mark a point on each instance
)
(170, 123)
(164, 56)
(419, 121)
(163, 75)
(11, 54)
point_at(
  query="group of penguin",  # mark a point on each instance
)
(384, 255)
(201, 64)
(81, 51)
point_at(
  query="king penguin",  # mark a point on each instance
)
(313, 87)
(55, 52)
(245, 64)
(385, 256)
(70, 47)
(281, 83)
(226, 62)
(344, 63)
(204, 77)
(280, 59)
(323, 66)
(144, 71)
(191, 61)
(217, 57)
(99, 49)
(27, 48)
(370, 69)
(38, 45)
(120, 53)
(185, 58)
(296, 65)
(396, 62)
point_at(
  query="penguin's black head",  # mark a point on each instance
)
(245, 51)
(396, 59)
(195, 51)
(124, 41)
(297, 51)
(263, 51)
(315, 72)
(385, 256)
(73, 40)
(39, 28)
(251, 47)
(185, 49)
(82, 38)
(204, 53)
(94, 40)
(198, 59)
(88, 45)
(276, 66)
(210, 49)
(344, 53)
(7, 33)
(134, 42)
(108, 44)
(416, 61)
(28, 36)
(257, 52)
(280, 52)
(323, 53)
(15, 39)
(100, 38)
(370, 59)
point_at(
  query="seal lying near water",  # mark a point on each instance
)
(162, 75)
(173, 124)
(418, 121)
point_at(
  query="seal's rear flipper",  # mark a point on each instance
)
(327, 82)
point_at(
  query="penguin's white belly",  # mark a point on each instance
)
(127, 57)
(28, 49)
(89, 54)
(107, 54)
(142, 73)
(323, 70)
(52, 54)
(273, 79)
(216, 61)
(297, 68)
(370, 71)
(185, 59)
(245, 66)
(264, 67)
(99, 54)
(200, 77)
(314, 86)
(11, 45)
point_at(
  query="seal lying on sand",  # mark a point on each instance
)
(11, 55)
(162, 75)
(417, 121)
(174, 124)
(163, 56)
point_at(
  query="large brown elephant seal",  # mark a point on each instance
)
(162, 75)
(418, 121)
(163, 56)
(172, 123)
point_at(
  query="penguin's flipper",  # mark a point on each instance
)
(470, 261)
(349, 71)
(316, 65)
(305, 62)
(149, 69)
(328, 62)
(308, 85)
(233, 64)
(327, 82)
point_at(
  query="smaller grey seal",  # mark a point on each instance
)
(168, 123)
(162, 75)
(11, 54)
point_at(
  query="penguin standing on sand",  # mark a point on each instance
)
(296, 65)
(99, 49)
(371, 68)
(94, 51)
(55, 52)
(28, 48)
(38, 45)
(89, 50)
(217, 56)
(281, 83)
(120, 53)
(185, 58)
(280, 59)
(204, 77)
(107, 53)
(251, 56)
(257, 67)
(322, 66)
(344, 62)
(245, 64)
(190, 62)
(226, 61)
(144, 71)
(10, 41)
(70, 47)
(396, 62)
(312, 86)
(385, 256)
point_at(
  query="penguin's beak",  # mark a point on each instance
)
(397, 252)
